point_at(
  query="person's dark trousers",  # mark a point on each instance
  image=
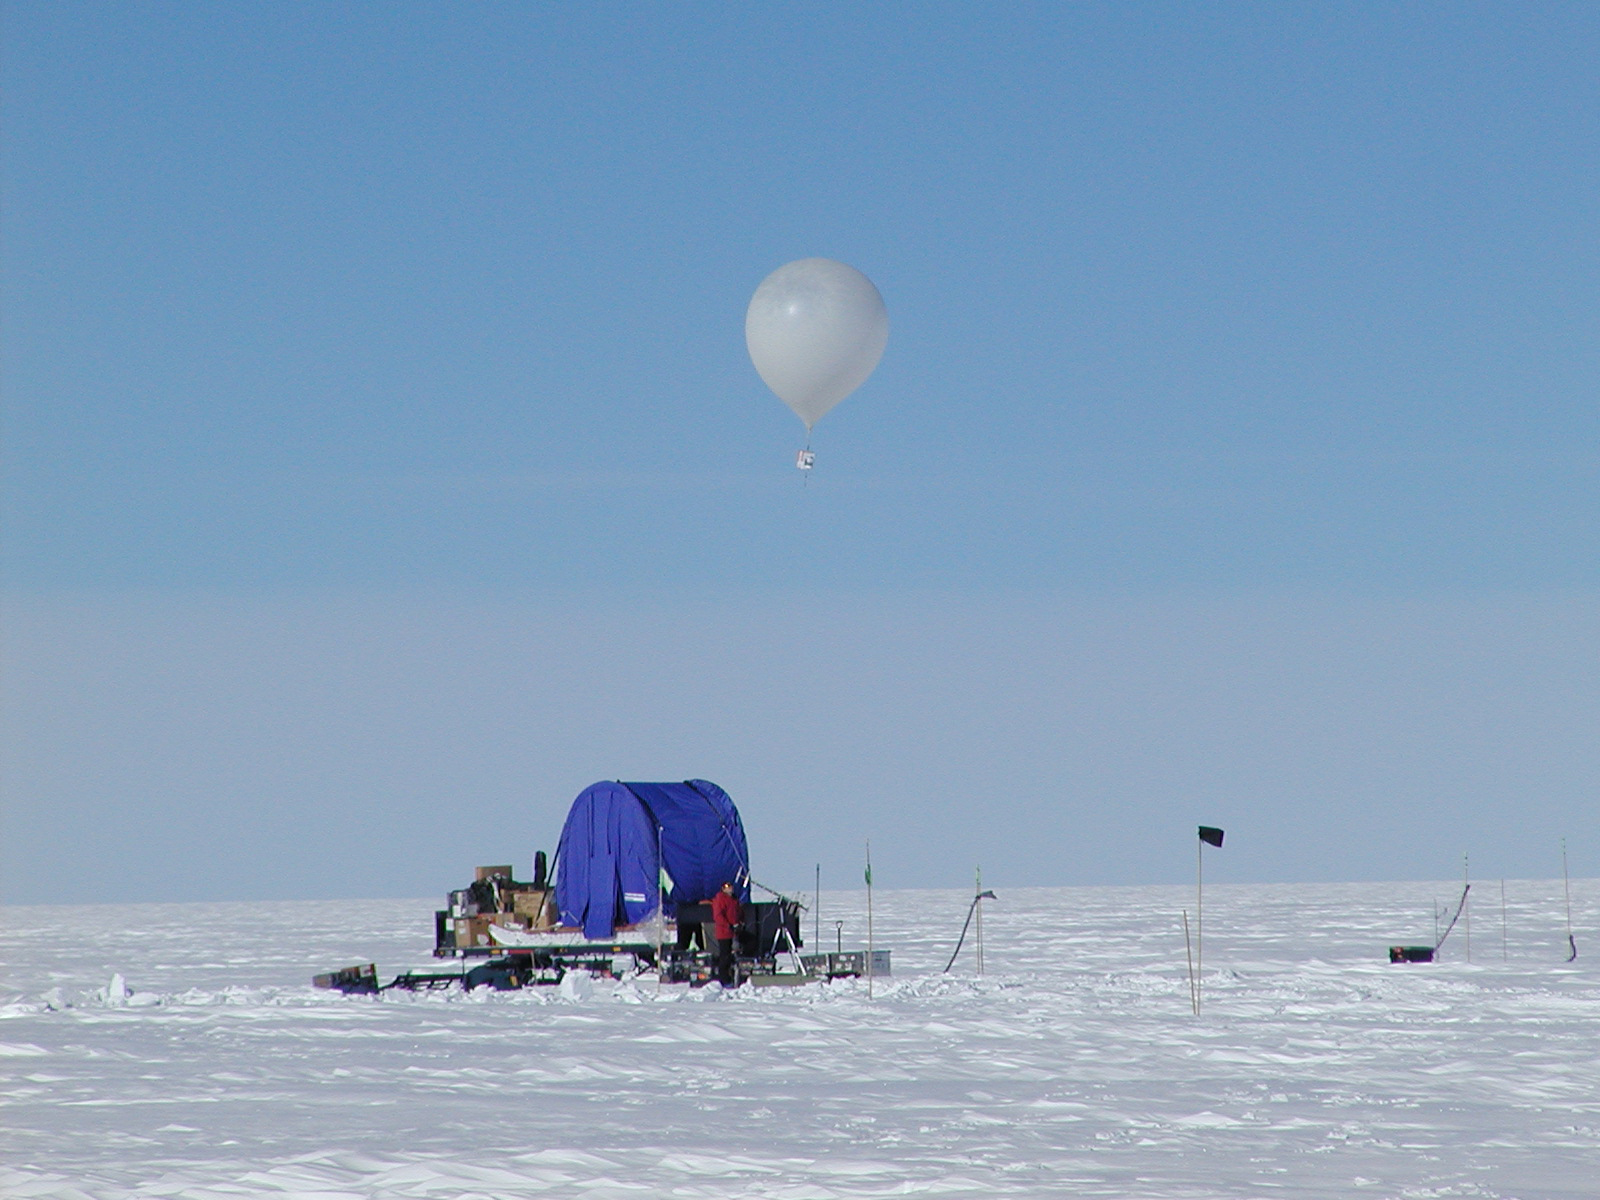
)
(725, 961)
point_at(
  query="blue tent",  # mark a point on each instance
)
(623, 841)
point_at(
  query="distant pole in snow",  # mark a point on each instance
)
(1566, 889)
(1466, 878)
(1188, 953)
(816, 924)
(869, 920)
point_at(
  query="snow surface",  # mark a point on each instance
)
(180, 1051)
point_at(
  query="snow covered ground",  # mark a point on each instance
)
(1072, 1067)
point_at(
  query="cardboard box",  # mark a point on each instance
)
(538, 908)
(472, 931)
(492, 872)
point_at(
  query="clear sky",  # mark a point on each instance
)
(383, 463)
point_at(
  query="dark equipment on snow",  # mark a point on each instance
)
(1398, 954)
(1425, 954)
(349, 979)
(504, 974)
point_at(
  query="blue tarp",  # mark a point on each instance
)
(619, 836)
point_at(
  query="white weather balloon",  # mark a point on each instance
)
(815, 330)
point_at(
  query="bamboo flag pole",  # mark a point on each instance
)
(1466, 878)
(869, 920)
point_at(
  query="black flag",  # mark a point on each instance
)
(1210, 836)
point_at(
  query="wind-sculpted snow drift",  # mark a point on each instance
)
(179, 1051)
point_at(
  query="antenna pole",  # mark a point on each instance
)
(816, 927)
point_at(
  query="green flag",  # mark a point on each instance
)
(869, 872)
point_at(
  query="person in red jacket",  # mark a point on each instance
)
(725, 918)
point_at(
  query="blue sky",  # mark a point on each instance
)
(383, 462)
